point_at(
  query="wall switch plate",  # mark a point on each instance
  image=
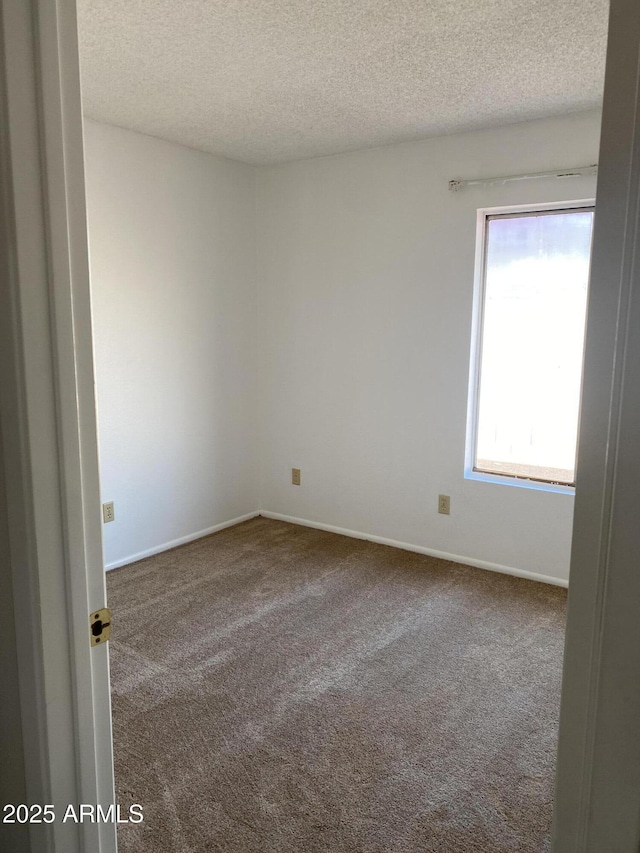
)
(295, 476)
(444, 504)
(108, 512)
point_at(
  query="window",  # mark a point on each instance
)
(530, 324)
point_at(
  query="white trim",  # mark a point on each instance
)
(538, 206)
(598, 768)
(475, 357)
(419, 549)
(174, 543)
(71, 328)
(49, 434)
(519, 482)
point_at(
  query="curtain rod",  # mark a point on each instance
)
(579, 171)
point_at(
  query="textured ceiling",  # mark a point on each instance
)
(274, 80)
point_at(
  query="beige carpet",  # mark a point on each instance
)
(277, 688)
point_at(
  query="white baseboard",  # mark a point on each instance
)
(420, 549)
(167, 546)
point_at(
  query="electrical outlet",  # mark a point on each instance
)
(108, 512)
(295, 476)
(444, 504)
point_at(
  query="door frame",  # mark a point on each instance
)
(49, 446)
(49, 433)
(597, 805)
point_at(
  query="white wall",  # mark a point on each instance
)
(172, 246)
(366, 272)
(364, 281)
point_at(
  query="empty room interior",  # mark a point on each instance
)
(339, 261)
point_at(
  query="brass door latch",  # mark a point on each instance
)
(100, 622)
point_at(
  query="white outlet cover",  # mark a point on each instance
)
(108, 512)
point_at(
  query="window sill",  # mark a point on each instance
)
(519, 482)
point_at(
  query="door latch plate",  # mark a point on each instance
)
(100, 623)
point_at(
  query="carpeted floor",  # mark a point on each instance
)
(277, 688)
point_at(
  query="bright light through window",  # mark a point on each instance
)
(536, 272)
